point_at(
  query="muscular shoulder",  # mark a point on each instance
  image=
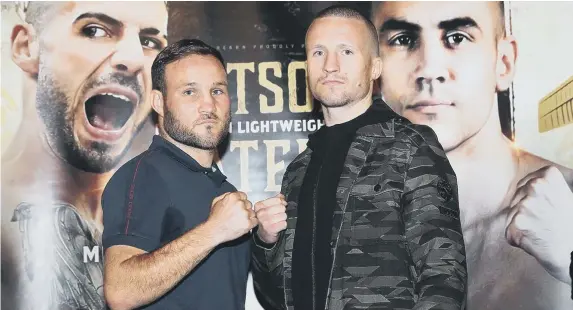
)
(529, 163)
(140, 168)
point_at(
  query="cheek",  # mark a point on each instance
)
(72, 62)
(143, 110)
(475, 70)
(311, 76)
(394, 80)
(474, 83)
(224, 106)
(147, 70)
(314, 70)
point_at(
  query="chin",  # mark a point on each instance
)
(448, 141)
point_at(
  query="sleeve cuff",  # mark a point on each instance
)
(131, 240)
(261, 244)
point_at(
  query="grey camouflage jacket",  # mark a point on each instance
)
(396, 236)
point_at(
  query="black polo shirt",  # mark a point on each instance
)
(155, 198)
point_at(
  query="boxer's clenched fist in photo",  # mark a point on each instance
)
(540, 220)
(271, 214)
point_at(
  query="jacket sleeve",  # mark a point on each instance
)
(267, 268)
(571, 274)
(433, 229)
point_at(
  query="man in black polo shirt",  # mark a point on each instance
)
(174, 228)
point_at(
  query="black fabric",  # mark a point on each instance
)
(158, 196)
(571, 274)
(317, 201)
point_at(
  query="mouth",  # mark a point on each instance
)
(332, 82)
(429, 105)
(108, 111)
(206, 122)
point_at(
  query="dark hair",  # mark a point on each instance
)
(176, 51)
(500, 18)
(348, 12)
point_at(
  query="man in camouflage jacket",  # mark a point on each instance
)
(396, 240)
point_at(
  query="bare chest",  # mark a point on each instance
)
(504, 277)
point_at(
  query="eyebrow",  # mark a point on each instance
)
(116, 23)
(193, 84)
(454, 23)
(150, 31)
(220, 84)
(399, 24)
(457, 23)
(343, 45)
(318, 46)
(103, 17)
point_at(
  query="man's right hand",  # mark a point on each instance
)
(271, 214)
(232, 216)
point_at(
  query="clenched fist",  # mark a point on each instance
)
(540, 220)
(271, 214)
(232, 215)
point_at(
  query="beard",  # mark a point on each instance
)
(185, 135)
(331, 100)
(52, 107)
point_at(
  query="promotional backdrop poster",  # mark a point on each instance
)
(51, 185)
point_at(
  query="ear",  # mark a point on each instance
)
(376, 68)
(505, 64)
(24, 49)
(157, 102)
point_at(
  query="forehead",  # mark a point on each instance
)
(152, 14)
(336, 30)
(430, 14)
(200, 69)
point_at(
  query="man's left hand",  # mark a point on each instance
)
(540, 220)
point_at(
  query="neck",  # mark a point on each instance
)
(347, 112)
(203, 157)
(486, 168)
(41, 177)
(488, 143)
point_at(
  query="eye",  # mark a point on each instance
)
(317, 53)
(455, 39)
(403, 40)
(94, 31)
(347, 52)
(188, 92)
(218, 91)
(150, 43)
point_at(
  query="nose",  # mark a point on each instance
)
(431, 67)
(207, 104)
(128, 56)
(331, 63)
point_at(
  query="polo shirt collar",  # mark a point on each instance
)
(214, 173)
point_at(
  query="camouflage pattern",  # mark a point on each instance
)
(396, 238)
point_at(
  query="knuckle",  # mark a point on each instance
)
(552, 172)
(520, 221)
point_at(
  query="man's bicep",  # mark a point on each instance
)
(133, 209)
(117, 254)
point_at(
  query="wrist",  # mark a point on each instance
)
(267, 238)
(211, 232)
